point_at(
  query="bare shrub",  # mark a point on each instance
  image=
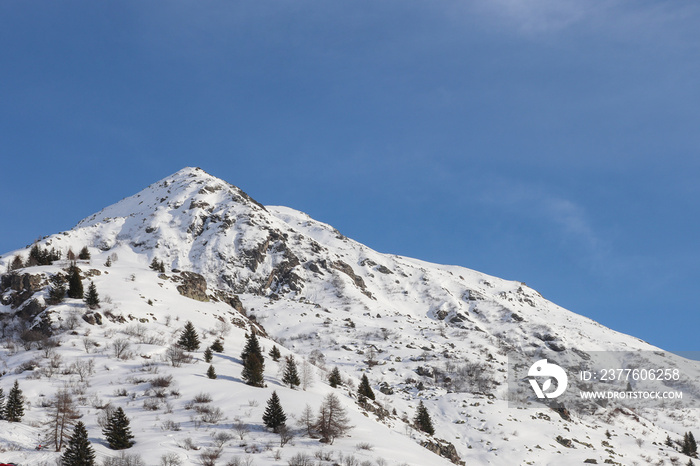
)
(176, 356)
(124, 459)
(301, 459)
(240, 428)
(238, 461)
(163, 381)
(150, 404)
(202, 397)
(209, 456)
(221, 438)
(120, 348)
(286, 435)
(170, 459)
(169, 424)
(213, 416)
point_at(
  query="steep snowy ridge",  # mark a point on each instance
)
(420, 331)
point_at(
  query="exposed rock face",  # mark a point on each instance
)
(30, 310)
(23, 286)
(24, 282)
(347, 270)
(444, 449)
(193, 286)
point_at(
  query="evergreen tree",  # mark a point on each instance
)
(364, 391)
(211, 373)
(689, 447)
(14, 407)
(217, 346)
(252, 373)
(207, 355)
(275, 353)
(2, 405)
(92, 299)
(16, 263)
(422, 420)
(57, 289)
(252, 346)
(39, 256)
(334, 378)
(108, 262)
(669, 442)
(253, 362)
(157, 265)
(189, 340)
(117, 431)
(291, 375)
(84, 254)
(79, 451)
(274, 416)
(75, 284)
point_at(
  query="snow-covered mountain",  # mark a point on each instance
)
(419, 331)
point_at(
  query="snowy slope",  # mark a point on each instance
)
(411, 326)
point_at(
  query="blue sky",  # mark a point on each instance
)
(553, 142)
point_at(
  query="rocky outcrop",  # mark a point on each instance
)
(23, 282)
(193, 286)
(444, 449)
(347, 270)
(23, 286)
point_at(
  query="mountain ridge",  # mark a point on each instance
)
(422, 331)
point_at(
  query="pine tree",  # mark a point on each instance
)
(422, 420)
(189, 340)
(14, 407)
(16, 263)
(334, 378)
(217, 346)
(364, 391)
(75, 284)
(108, 262)
(92, 299)
(689, 446)
(117, 431)
(275, 353)
(253, 362)
(274, 416)
(157, 265)
(291, 375)
(84, 254)
(57, 289)
(79, 451)
(252, 373)
(208, 355)
(211, 373)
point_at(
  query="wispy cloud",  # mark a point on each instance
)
(534, 16)
(629, 20)
(564, 218)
